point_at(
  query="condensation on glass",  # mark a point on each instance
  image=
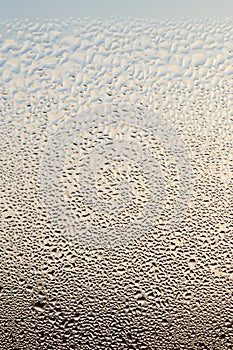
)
(116, 184)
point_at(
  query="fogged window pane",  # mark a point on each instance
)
(116, 184)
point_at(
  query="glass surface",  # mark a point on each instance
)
(116, 184)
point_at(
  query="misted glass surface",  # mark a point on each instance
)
(116, 184)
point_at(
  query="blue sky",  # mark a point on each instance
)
(10, 9)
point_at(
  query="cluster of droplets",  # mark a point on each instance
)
(109, 244)
(110, 172)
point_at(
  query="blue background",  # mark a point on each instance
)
(10, 9)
